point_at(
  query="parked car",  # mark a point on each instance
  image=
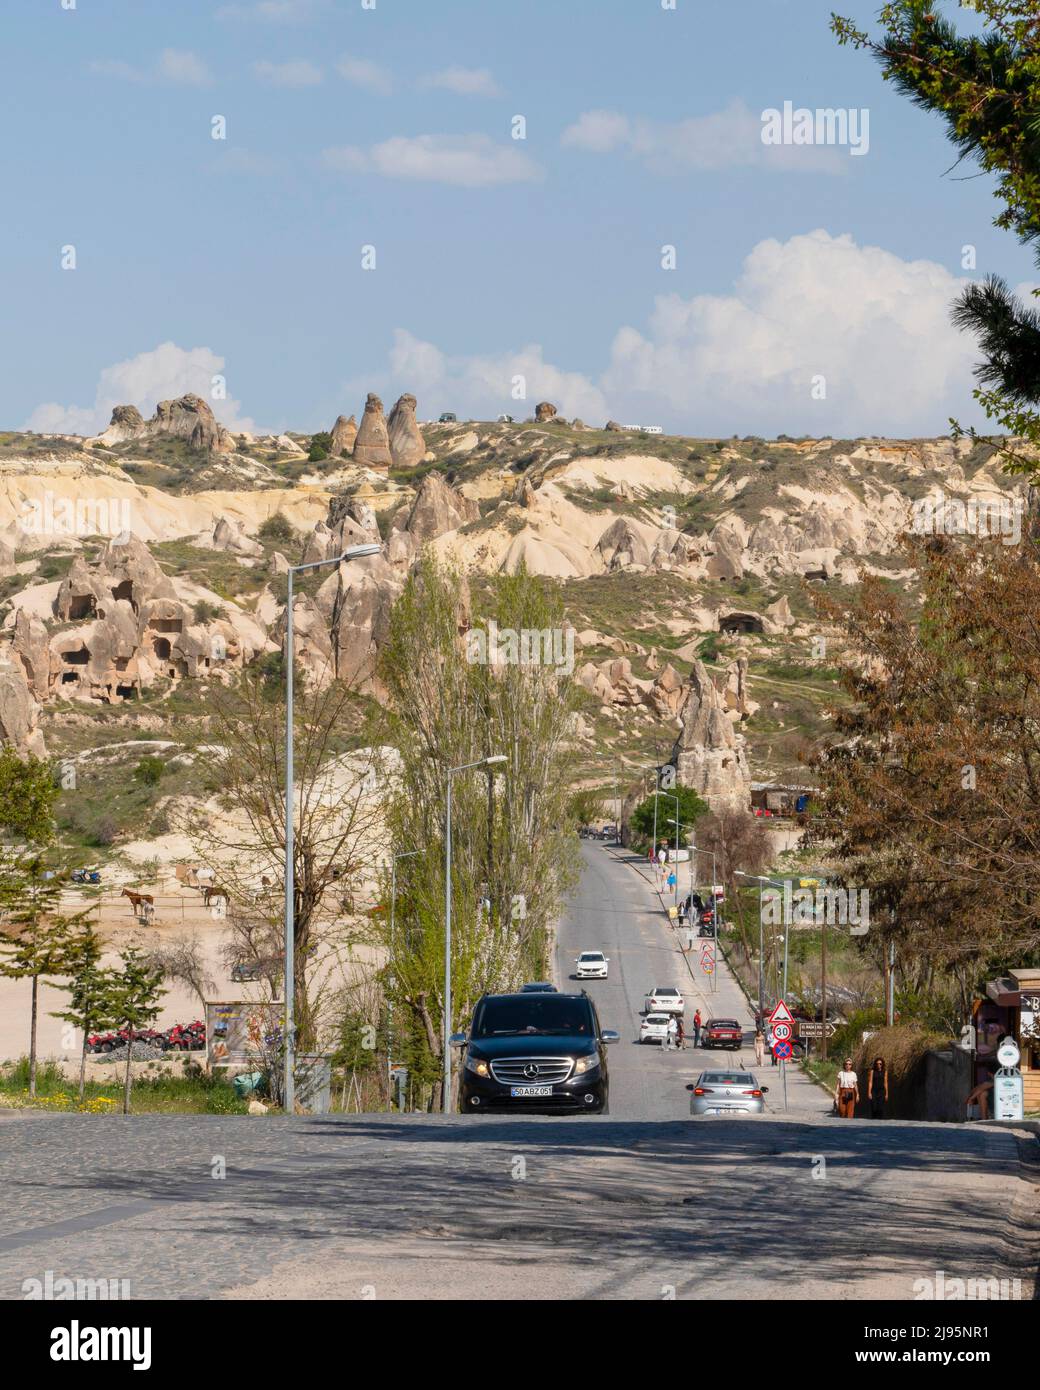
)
(535, 1052)
(722, 1032)
(447, 417)
(592, 965)
(658, 1028)
(538, 987)
(665, 1000)
(727, 1092)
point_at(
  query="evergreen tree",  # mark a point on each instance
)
(90, 988)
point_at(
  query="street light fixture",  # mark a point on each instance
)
(353, 552)
(446, 1045)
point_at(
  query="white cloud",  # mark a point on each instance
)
(721, 140)
(876, 327)
(176, 65)
(362, 72)
(164, 373)
(468, 161)
(482, 386)
(297, 72)
(464, 82)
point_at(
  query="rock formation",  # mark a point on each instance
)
(344, 432)
(709, 755)
(436, 510)
(19, 712)
(407, 446)
(188, 418)
(544, 411)
(372, 445)
(124, 627)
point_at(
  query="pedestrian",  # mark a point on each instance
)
(877, 1088)
(760, 1047)
(846, 1091)
(680, 1034)
(652, 856)
(671, 882)
(771, 1044)
(697, 1028)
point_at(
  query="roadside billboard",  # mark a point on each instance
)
(243, 1033)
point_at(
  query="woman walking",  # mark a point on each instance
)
(760, 1047)
(877, 1088)
(846, 1091)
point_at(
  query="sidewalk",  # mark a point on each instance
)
(722, 997)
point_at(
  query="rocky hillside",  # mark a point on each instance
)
(139, 566)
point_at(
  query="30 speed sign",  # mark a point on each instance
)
(781, 1031)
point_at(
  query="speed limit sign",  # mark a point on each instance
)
(781, 1031)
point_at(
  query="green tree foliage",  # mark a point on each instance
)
(512, 846)
(586, 807)
(90, 989)
(986, 86)
(28, 791)
(33, 931)
(278, 529)
(691, 808)
(133, 997)
(321, 443)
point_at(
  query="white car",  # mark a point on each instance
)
(665, 1001)
(657, 1028)
(592, 965)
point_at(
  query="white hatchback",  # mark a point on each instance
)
(659, 1028)
(592, 965)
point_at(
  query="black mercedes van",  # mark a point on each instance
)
(535, 1052)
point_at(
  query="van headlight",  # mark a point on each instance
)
(584, 1065)
(477, 1065)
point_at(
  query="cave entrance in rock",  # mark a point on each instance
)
(734, 623)
(125, 590)
(162, 648)
(82, 606)
(126, 692)
(77, 658)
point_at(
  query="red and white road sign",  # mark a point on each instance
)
(781, 1031)
(781, 1014)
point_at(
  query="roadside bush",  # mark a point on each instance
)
(149, 771)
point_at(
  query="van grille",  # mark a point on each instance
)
(532, 1071)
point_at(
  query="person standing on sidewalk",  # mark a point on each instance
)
(846, 1091)
(697, 1029)
(771, 1044)
(877, 1088)
(680, 1034)
(760, 1047)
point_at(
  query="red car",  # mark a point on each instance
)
(722, 1032)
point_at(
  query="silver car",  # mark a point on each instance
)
(726, 1093)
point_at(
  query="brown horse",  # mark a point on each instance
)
(138, 900)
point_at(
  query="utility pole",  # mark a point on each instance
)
(823, 986)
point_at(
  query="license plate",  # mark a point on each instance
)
(530, 1090)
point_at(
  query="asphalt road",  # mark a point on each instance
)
(618, 911)
(642, 1204)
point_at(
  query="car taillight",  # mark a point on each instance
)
(699, 1091)
(758, 1094)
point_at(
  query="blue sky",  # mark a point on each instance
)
(495, 258)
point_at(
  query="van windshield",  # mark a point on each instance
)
(534, 1013)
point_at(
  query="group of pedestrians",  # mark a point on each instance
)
(680, 1031)
(847, 1092)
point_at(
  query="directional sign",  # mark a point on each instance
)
(809, 1029)
(781, 1014)
(782, 1050)
(781, 1031)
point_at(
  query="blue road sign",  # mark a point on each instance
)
(782, 1050)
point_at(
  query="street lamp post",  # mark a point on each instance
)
(353, 552)
(446, 1082)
